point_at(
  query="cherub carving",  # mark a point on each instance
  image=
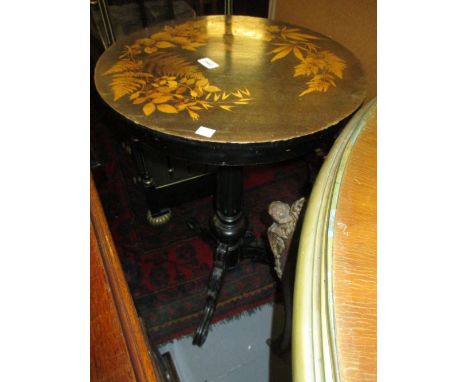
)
(280, 233)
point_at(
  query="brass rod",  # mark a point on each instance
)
(227, 7)
(106, 21)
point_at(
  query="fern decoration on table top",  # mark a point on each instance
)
(323, 66)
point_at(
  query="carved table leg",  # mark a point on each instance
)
(229, 225)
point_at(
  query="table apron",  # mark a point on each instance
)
(231, 154)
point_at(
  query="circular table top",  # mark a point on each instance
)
(261, 81)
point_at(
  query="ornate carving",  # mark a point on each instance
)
(280, 233)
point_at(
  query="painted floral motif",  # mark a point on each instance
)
(150, 74)
(166, 82)
(322, 66)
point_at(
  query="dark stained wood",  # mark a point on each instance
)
(274, 83)
(119, 351)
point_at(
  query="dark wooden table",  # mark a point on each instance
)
(229, 91)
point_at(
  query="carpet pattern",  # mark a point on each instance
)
(167, 267)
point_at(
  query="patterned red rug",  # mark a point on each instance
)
(167, 267)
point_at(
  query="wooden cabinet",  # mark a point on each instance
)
(119, 351)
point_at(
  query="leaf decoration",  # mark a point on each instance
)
(319, 83)
(134, 95)
(237, 94)
(124, 85)
(173, 84)
(128, 77)
(226, 107)
(149, 108)
(200, 83)
(193, 115)
(206, 105)
(212, 89)
(322, 66)
(172, 65)
(164, 44)
(166, 108)
(192, 46)
(282, 53)
(150, 49)
(140, 100)
(294, 34)
(125, 65)
(335, 64)
(308, 67)
(160, 98)
(169, 84)
(311, 47)
(297, 52)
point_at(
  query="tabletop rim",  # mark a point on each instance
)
(158, 131)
